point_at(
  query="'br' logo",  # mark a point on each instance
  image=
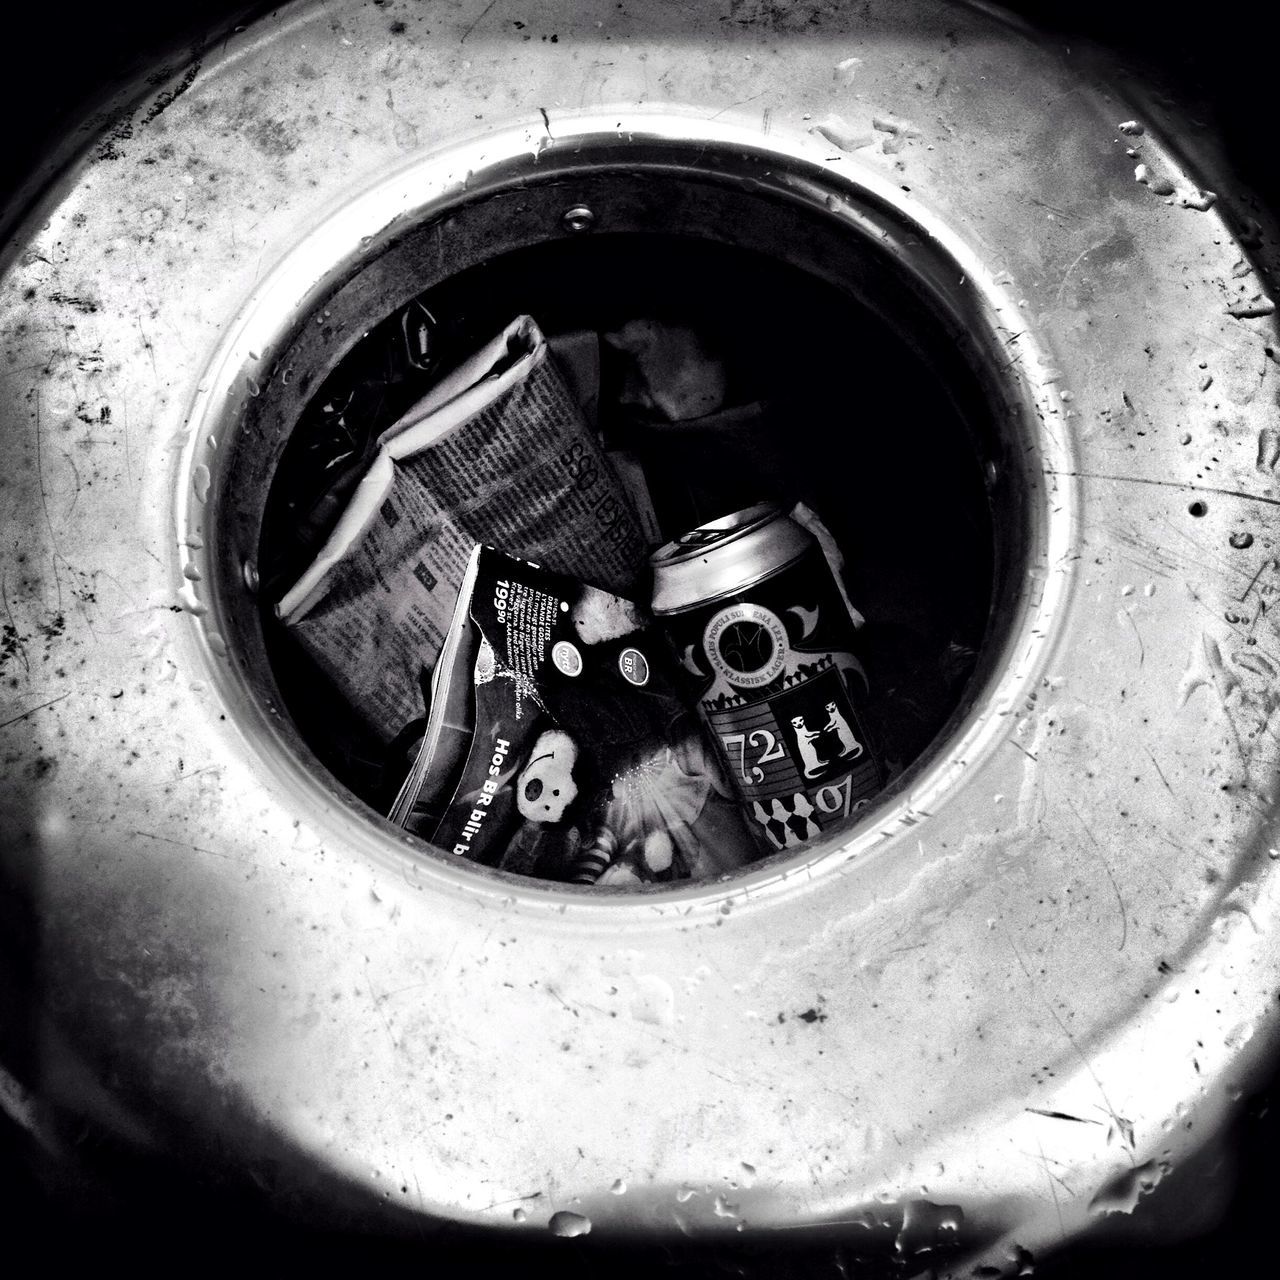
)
(634, 667)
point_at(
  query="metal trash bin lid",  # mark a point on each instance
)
(1097, 892)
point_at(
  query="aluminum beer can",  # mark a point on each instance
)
(761, 629)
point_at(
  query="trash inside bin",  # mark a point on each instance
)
(583, 450)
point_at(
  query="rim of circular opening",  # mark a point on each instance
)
(343, 242)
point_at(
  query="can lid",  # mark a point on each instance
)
(724, 556)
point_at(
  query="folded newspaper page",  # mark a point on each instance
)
(497, 452)
(556, 744)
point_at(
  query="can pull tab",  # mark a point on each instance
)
(699, 537)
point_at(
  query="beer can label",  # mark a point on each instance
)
(782, 692)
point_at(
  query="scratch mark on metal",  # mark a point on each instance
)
(413, 986)
(1060, 1115)
(151, 351)
(551, 991)
(22, 715)
(813, 1172)
(1062, 1026)
(1253, 582)
(1163, 779)
(1151, 555)
(1124, 915)
(480, 17)
(1053, 208)
(1076, 261)
(498, 1204)
(1142, 648)
(742, 102)
(128, 458)
(75, 471)
(1053, 1191)
(187, 844)
(1257, 617)
(1165, 484)
(1200, 559)
(44, 502)
(42, 365)
(13, 626)
(377, 1004)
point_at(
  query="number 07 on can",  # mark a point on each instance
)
(761, 630)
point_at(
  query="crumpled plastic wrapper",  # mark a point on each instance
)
(669, 815)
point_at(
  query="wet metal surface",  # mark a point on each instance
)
(1007, 1008)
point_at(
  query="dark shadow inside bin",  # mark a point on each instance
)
(849, 388)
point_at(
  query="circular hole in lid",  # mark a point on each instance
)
(846, 387)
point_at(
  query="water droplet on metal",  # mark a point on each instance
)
(1198, 200)
(249, 572)
(847, 69)
(569, 1224)
(926, 1226)
(654, 1000)
(1122, 1193)
(200, 480)
(1241, 540)
(723, 1209)
(619, 1187)
(1268, 449)
(188, 600)
(519, 1214)
(1157, 185)
(841, 134)
(190, 572)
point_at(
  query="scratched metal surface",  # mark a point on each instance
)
(1027, 1003)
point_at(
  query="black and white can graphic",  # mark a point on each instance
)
(779, 685)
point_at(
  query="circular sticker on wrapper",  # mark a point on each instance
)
(634, 666)
(567, 659)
